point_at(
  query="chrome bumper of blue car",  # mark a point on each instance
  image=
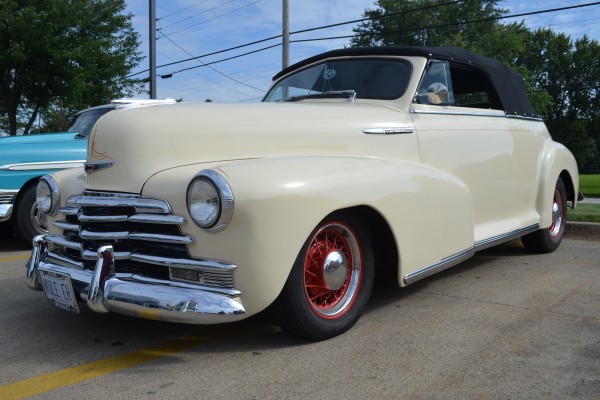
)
(106, 291)
(7, 199)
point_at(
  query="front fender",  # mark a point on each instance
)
(279, 201)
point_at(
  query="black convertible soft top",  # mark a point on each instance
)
(509, 84)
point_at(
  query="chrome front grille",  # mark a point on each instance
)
(145, 235)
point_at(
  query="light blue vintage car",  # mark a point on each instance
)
(24, 159)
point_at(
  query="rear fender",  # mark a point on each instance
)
(556, 161)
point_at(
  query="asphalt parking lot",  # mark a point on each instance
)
(506, 324)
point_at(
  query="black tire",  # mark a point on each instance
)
(548, 239)
(26, 220)
(330, 282)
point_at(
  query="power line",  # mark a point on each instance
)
(200, 13)
(227, 59)
(451, 24)
(356, 35)
(301, 31)
(203, 64)
(182, 9)
(211, 19)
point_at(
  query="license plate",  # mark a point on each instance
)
(59, 289)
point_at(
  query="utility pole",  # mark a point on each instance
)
(286, 33)
(152, 39)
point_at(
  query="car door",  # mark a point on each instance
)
(463, 130)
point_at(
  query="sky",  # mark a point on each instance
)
(191, 28)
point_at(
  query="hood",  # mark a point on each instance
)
(43, 147)
(144, 141)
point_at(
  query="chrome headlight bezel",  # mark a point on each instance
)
(47, 195)
(224, 203)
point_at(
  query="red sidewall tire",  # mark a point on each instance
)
(311, 304)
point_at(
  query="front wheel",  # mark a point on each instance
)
(27, 220)
(548, 239)
(330, 282)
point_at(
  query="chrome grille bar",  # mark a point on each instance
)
(64, 242)
(144, 205)
(182, 262)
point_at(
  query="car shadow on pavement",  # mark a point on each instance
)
(11, 243)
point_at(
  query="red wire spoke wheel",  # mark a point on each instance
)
(331, 280)
(333, 267)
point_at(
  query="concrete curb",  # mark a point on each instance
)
(583, 230)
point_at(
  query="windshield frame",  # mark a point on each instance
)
(277, 85)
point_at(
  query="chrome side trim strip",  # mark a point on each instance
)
(524, 117)
(388, 131)
(442, 265)
(484, 244)
(460, 113)
(42, 165)
(464, 255)
(475, 114)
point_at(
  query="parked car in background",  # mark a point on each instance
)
(394, 160)
(24, 159)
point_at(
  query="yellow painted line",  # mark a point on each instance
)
(12, 258)
(54, 380)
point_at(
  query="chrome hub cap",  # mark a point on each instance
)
(335, 270)
(557, 214)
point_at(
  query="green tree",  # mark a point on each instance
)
(569, 73)
(63, 53)
(427, 23)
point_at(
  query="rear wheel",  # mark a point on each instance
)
(548, 239)
(27, 220)
(330, 282)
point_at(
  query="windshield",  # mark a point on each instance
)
(383, 79)
(85, 120)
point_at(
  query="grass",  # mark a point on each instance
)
(584, 213)
(589, 185)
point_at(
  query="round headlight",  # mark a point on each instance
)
(210, 201)
(47, 195)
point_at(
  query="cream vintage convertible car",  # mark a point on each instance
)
(358, 161)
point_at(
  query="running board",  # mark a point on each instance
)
(507, 237)
(466, 254)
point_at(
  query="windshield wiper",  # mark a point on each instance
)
(333, 94)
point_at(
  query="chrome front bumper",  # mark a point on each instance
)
(7, 198)
(136, 295)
